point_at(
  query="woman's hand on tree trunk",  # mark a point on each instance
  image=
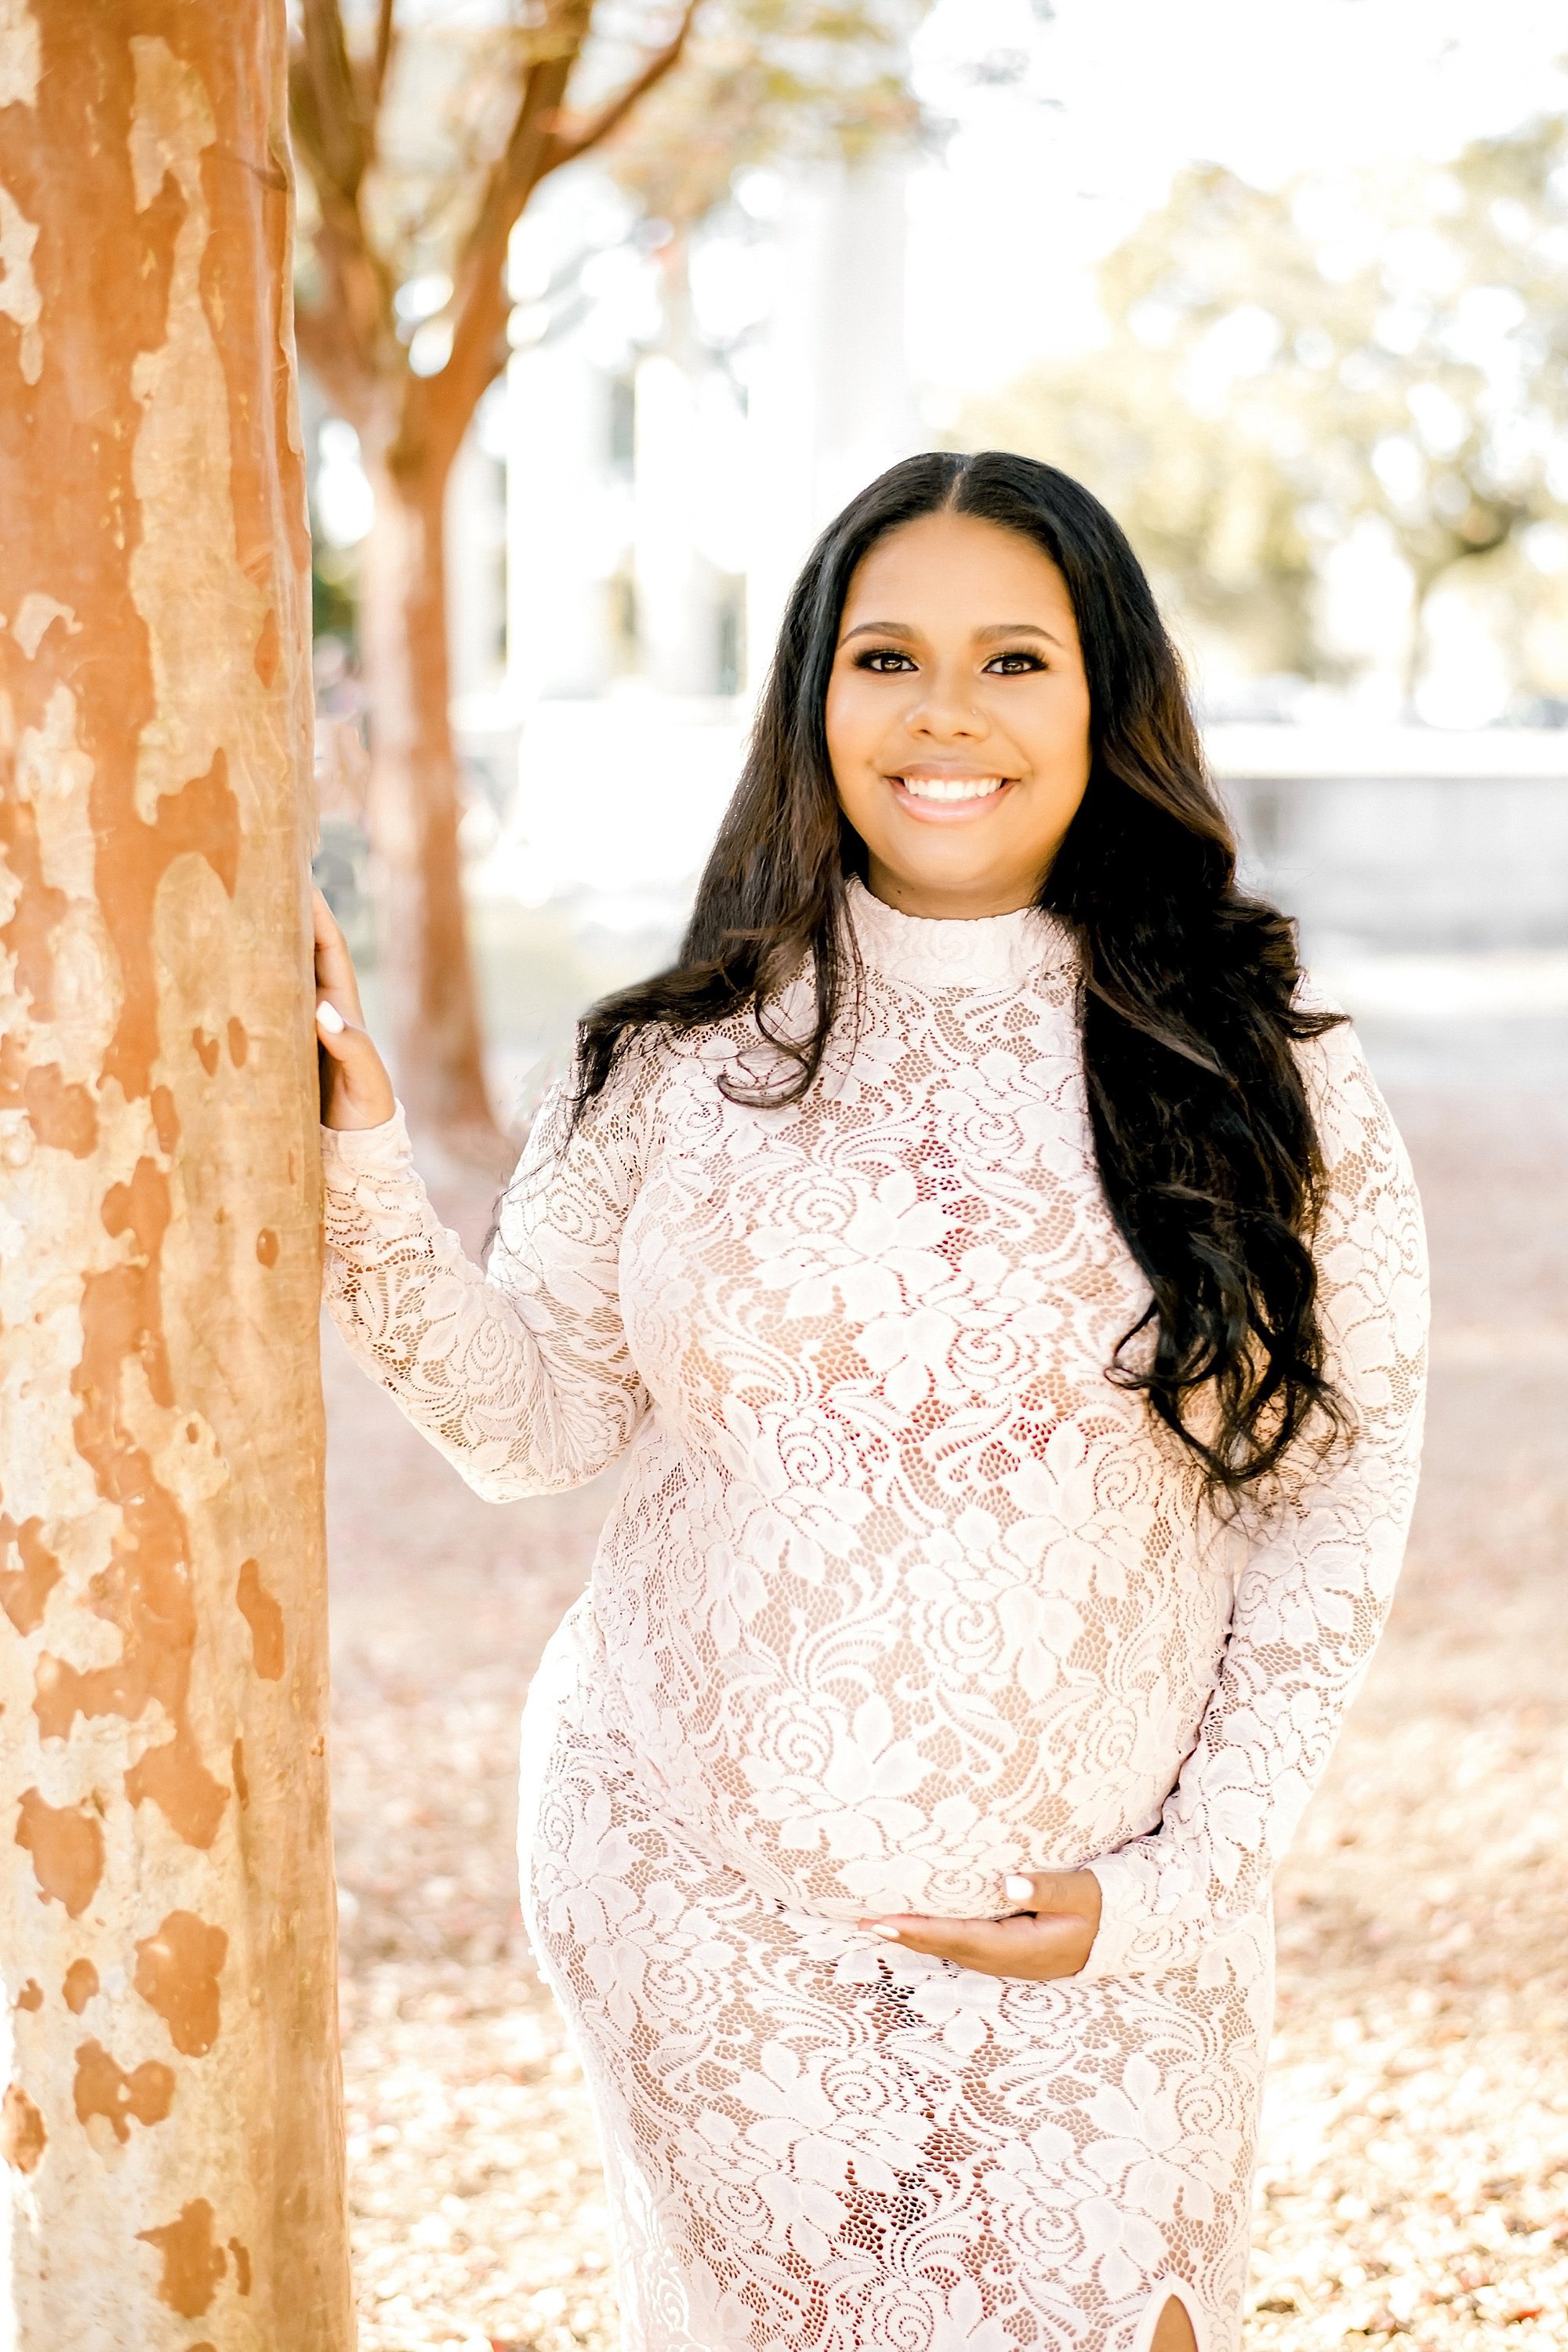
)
(355, 1088)
(1050, 1933)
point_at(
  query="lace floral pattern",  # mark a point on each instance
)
(900, 1594)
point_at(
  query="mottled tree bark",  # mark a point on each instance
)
(173, 2172)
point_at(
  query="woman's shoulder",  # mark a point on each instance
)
(654, 1063)
(1356, 1132)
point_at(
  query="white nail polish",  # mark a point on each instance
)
(329, 1018)
(1017, 1888)
(881, 1928)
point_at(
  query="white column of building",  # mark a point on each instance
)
(564, 514)
(832, 403)
(476, 569)
(678, 619)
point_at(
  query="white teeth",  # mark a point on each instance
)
(951, 788)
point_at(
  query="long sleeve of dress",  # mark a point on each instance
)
(1312, 1597)
(520, 1374)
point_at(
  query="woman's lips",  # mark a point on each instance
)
(948, 799)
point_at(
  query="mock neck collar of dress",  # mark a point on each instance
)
(981, 950)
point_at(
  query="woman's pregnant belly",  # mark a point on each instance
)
(858, 1717)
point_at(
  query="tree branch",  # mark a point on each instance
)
(383, 57)
(353, 323)
(337, 121)
(437, 408)
(573, 138)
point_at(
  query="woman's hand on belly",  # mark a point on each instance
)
(1051, 1934)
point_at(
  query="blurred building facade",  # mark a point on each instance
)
(675, 428)
(678, 421)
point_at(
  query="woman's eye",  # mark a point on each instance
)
(884, 661)
(1013, 665)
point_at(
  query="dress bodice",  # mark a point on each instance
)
(902, 1591)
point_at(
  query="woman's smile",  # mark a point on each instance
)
(938, 795)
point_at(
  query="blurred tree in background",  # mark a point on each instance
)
(421, 135)
(768, 82)
(1284, 367)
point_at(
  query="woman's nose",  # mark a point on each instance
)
(947, 708)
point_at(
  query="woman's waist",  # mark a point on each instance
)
(842, 1866)
(885, 1714)
(843, 1811)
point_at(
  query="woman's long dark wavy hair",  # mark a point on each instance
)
(1207, 1146)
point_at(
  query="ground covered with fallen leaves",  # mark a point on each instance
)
(1414, 2185)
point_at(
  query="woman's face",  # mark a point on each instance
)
(958, 715)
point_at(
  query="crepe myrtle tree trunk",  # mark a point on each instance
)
(171, 2118)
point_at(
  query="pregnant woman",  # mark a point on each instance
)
(1002, 1282)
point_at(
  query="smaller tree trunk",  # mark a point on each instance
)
(415, 807)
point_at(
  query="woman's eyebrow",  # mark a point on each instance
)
(880, 629)
(1017, 629)
(982, 636)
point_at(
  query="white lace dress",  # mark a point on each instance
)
(900, 1595)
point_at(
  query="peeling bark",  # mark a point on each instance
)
(170, 2131)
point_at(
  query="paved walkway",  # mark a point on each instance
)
(1415, 2182)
